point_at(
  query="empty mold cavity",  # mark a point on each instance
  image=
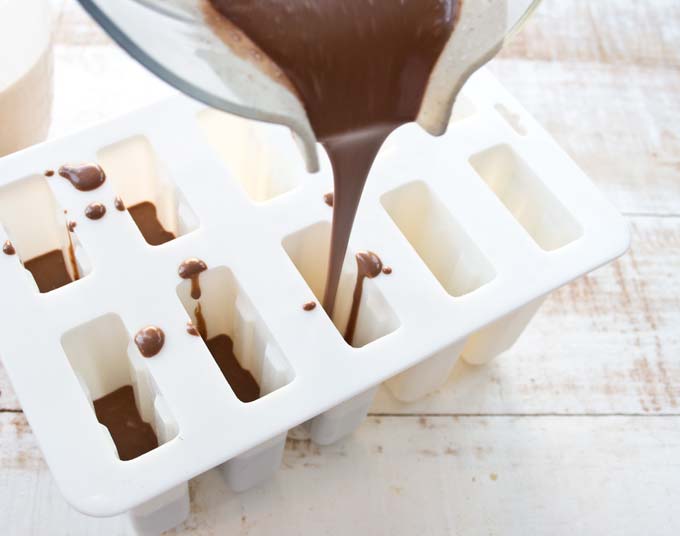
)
(438, 238)
(262, 168)
(242, 347)
(308, 249)
(118, 386)
(513, 119)
(535, 208)
(37, 227)
(152, 199)
(462, 109)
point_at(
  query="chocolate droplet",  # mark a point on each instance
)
(49, 172)
(150, 340)
(95, 211)
(71, 225)
(328, 199)
(309, 306)
(84, 177)
(387, 270)
(191, 330)
(8, 248)
(118, 203)
(190, 269)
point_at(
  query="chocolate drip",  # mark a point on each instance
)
(150, 340)
(309, 306)
(152, 230)
(71, 225)
(118, 412)
(84, 177)
(118, 203)
(8, 248)
(49, 172)
(95, 211)
(368, 265)
(328, 199)
(200, 321)
(360, 69)
(191, 269)
(191, 330)
(241, 380)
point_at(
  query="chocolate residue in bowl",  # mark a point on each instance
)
(191, 269)
(95, 211)
(150, 340)
(83, 177)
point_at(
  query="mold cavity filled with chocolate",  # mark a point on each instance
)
(240, 345)
(40, 234)
(361, 313)
(116, 382)
(144, 188)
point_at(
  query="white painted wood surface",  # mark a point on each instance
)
(576, 430)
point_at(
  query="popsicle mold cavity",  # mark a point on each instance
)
(533, 206)
(146, 190)
(241, 345)
(308, 249)
(117, 385)
(438, 238)
(264, 169)
(37, 228)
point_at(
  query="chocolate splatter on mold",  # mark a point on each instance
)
(8, 248)
(309, 306)
(83, 177)
(328, 199)
(150, 340)
(49, 172)
(191, 269)
(95, 211)
(118, 203)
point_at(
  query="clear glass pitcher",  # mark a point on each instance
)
(174, 40)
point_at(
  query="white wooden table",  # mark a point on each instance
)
(574, 431)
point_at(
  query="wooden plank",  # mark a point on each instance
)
(405, 476)
(607, 343)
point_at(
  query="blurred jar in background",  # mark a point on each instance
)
(25, 72)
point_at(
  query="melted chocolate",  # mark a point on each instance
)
(49, 270)
(387, 270)
(241, 380)
(72, 255)
(118, 412)
(49, 172)
(147, 221)
(328, 199)
(200, 321)
(95, 211)
(191, 269)
(360, 68)
(71, 225)
(309, 306)
(118, 203)
(368, 265)
(191, 330)
(84, 177)
(8, 248)
(150, 340)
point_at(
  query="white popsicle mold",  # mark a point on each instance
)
(479, 226)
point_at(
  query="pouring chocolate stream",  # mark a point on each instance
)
(360, 68)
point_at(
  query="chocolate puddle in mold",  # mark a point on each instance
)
(146, 218)
(241, 380)
(131, 434)
(360, 69)
(50, 270)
